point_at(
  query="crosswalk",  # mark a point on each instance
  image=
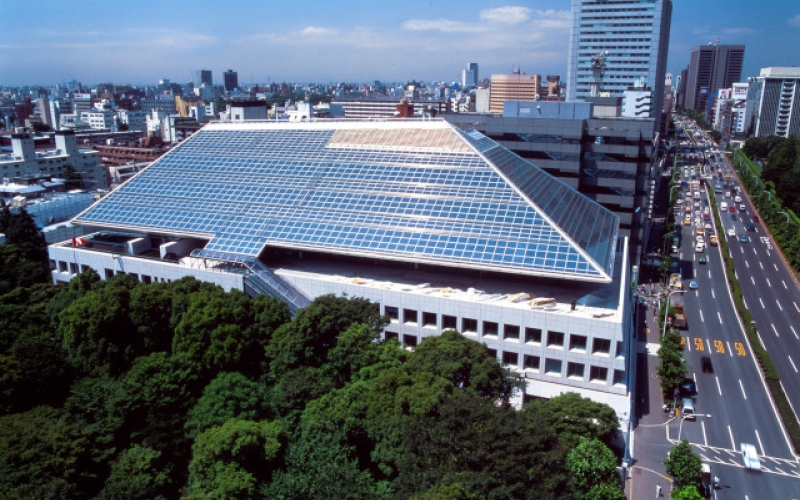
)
(727, 456)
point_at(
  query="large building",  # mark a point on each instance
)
(231, 80)
(440, 228)
(631, 35)
(469, 75)
(514, 87)
(711, 67)
(773, 102)
(203, 76)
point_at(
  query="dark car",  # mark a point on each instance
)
(705, 364)
(743, 238)
(733, 216)
(688, 388)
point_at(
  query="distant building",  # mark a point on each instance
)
(469, 75)
(711, 67)
(231, 80)
(384, 107)
(773, 100)
(246, 110)
(514, 87)
(203, 76)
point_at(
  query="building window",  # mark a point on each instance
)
(449, 322)
(62, 266)
(552, 366)
(555, 339)
(469, 325)
(577, 342)
(490, 329)
(511, 332)
(601, 346)
(410, 340)
(429, 319)
(73, 268)
(84, 268)
(146, 279)
(510, 358)
(109, 273)
(619, 350)
(410, 316)
(492, 353)
(389, 335)
(533, 335)
(393, 313)
(575, 370)
(530, 362)
(619, 377)
(53, 265)
(598, 374)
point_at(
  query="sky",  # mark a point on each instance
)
(43, 42)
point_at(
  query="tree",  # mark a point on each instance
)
(687, 493)
(683, 464)
(17, 269)
(235, 460)
(21, 230)
(574, 417)
(592, 464)
(229, 395)
(355, 349)
(671, 368)
(138, 473)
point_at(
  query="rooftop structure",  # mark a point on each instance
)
(773, 102)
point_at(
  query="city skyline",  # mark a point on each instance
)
(322, 42)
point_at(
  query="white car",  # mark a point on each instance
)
(731, 232)
(750, 457)
(699, 248)
(738, 199)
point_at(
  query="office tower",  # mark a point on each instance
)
(711, 67)
(632, 37)
(203, 76)
(231, 80)
(469, 76)
(514, 87)
(773, 102)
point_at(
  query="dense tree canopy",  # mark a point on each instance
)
(117, 389)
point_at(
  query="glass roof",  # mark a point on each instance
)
(417, 191)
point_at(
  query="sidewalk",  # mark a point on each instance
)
(649, 446)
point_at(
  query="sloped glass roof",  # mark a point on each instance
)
(417, 191)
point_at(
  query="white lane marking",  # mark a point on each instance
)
(762, 303)
(760, 445)
(733, 442)
(792, 362)
(775, 329)
(709, 274)
(719, 386)
(747, 264)
(774, 265)
(688, 344)
(730, 351)
(755, 251)
(705, 438)
(720, 317)
(795, 306)
(768, 283)
(695, 273)
(752, 280)
(701, 317)
(784, 285)
(741, 386)
(742, 249)
(745, 303)
(713, 295)
(779, 305)
(795, 333)
(762, 265)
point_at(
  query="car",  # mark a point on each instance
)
(727, 194)
(731, 232)
(708, 227)
(705, 364)
(755, 218)
(703, 259)
(687, 221)
(732, 208)
(687, 388)
(742, 208)
(699, 231)
(713, 240)
(692, 285)
(750, 457)
(737, 199)
(743, 238)
(733, 216)
(699, 248)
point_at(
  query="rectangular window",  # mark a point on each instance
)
(492, 353)
(146, 279)
(619, 377)
(555, 339)
(449, 322)
(598, 374)
(575, 370)
(429, 319)
(393, 313)
(389, 335)
(619, 349)
(577, 342)
(469, 325)
(109, 274)
(510, 358)
(84, 268)
(552, 366)
(73, 268)
(410, 316)
(410, 340)
(52, 264)
(533, 335)
(530, 362)
(62, 266)
(601, 346)
(490, 329)
(511, 332)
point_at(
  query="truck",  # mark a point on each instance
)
(676, 302)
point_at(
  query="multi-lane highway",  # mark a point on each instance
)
(731, 390)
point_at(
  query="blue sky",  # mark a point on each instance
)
(44, 42)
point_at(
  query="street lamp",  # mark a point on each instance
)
(787, 216)
(666, 310)
(684, 417)
(768, 193)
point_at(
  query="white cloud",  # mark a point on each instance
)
(507, 15)
(318, 31)
(442, 25)
(795, 21)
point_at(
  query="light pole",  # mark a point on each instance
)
(768, 193)
(684, 417)
(788, 219)
(666, 310)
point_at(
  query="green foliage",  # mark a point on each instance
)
(687, 493)
(235, 460)
(17, 269)
(573, 417)
(443, 492)
(138, 473)
(592, 464)
(229, 395)
(683, 464)
(671, 367)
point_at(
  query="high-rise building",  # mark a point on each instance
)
(514, 87)
(632, 38)
(469, 75)
(773, 102)
(203, 76)
(711, 67)
(231, 80)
